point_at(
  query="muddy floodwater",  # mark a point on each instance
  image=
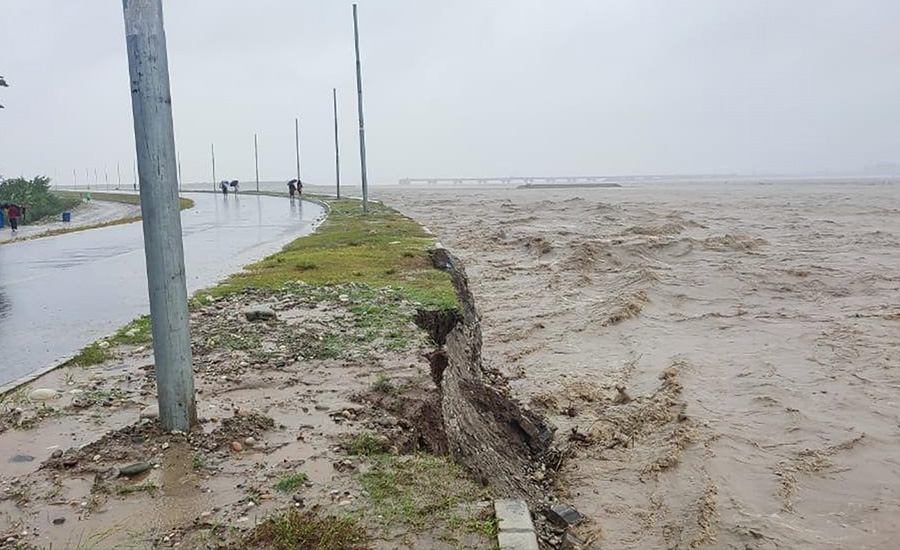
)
(722, 362)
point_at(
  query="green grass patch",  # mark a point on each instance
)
(198, 463)
(379, 249)
(367, 444)
(93, 354)
(290, 482)
(136, 332)
(295, 530)
(416, 491)
(384, 385)
(126, 198)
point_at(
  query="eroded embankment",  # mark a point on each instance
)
(499, 441)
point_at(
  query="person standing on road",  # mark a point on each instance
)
(292, 188)
(13, 214)
(224, 186)
(299, 188)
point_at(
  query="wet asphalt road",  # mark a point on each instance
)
(58, 294)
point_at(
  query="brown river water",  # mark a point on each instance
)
(753, 329)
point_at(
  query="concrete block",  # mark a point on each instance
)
(513, 515)
(517, 540)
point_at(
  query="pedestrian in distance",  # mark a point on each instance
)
(292, 188)
(224, 186)
(13, 212)
(299, 188)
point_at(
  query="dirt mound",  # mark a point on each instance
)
(409, 416)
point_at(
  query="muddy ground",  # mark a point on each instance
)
(721, 360)
(327, 407)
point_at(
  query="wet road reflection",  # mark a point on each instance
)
(61, 293)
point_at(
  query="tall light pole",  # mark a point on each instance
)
(337, 147)
(362, 125)
(151, 104)
(75, 175)
(256, 160)
(87, 178)
(180, 178)
(213, 150)
(134, 174)
(297, 145)
(118, 176)
(106, 176)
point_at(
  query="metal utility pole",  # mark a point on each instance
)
(180, 179)
(118, 176)
(337, 147)
(297, 144)
(151, 103)
(362, 126)
(134, 173)
(256, 159)
(214, 165)
(87, 178)
(75, 175)
(106, 177)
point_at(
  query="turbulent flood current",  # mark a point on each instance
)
(722, 362)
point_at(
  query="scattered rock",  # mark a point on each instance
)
(563, 515)
(135, 469)
(56, 454)
(103, 344)
(249, 442)
(97, 458)
(21, 458)
(165, 445)
(236, 446)
(69, 461)
(80, 403)
(131, 333)
(59, 521)
(43, 394)
(259, 313)
(343, 465)
(298, 500)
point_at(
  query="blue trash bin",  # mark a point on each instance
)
(67, 216)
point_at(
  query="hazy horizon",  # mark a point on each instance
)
(465, 89)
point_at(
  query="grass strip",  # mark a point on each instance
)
(380, 249)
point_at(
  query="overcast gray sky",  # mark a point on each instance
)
(471, 87)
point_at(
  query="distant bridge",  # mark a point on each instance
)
(551, 180)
